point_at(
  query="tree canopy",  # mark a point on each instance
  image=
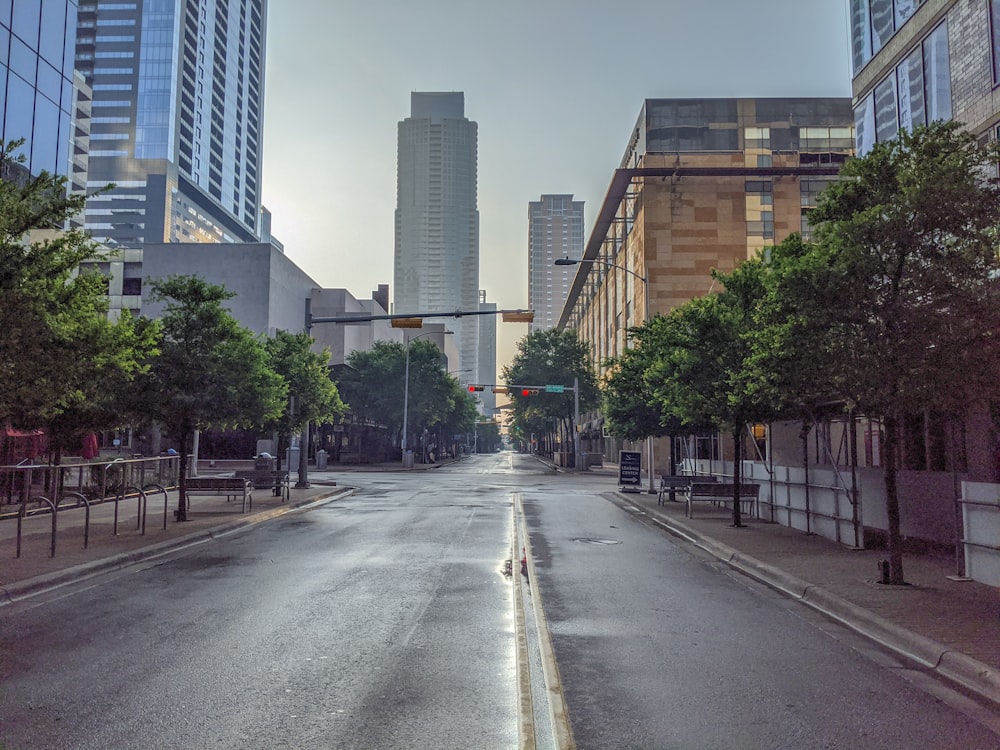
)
(897, 296)
(373, 385)
(550, 357)
(313, 396)
(211, 372)
(62, 362)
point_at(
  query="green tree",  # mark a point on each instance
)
(62, 361)
(700, 353)
(551, 357)
(313, 396)
(211, 371)
(373, 387)
(898, 294)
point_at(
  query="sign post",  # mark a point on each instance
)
(629, 471)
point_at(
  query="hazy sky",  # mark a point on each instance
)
(554, 85)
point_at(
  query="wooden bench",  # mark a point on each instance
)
(669, 485)
(721, 493)
(231, 487)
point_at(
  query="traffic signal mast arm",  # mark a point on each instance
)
(513, 388)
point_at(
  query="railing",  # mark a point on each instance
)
(30, 487)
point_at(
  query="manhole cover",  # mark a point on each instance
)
(588, 540)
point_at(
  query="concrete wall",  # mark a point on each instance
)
(270, 289)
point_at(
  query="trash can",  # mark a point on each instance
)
(265, 462)
(321, 460)
(408, 460)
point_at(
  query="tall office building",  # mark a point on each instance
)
(178, 104)
(436, 263)
(36, 81)
(555, 230)
(917, 62)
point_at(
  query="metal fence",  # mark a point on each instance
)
(28, 490)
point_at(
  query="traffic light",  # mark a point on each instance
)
(500, 389)
(529, 391)
(474, 388)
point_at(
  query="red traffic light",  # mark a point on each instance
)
(474, 388)
(529, 391)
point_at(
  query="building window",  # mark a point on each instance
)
(937, 75)
(995, 38)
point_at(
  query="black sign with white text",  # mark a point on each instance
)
(629, 464)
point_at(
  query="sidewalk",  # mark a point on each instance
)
(947, 626)
(210, 517)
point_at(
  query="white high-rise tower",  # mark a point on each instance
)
(436, 264)
(555, 230)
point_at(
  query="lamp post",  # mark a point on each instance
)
(406, 385)
(645, 294)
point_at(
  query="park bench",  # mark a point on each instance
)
(670, 485)
(231, 487)
(276, 481)
(721, 493)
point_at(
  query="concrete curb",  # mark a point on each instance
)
(30, 587)
(957, 667)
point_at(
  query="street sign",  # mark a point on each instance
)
(555, 388)
(629, 468)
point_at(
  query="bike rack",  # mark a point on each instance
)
(156, 488)
(23, 513)
(140, 521)
(80, 498)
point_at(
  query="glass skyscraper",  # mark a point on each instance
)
(178, 104)
(36, 80)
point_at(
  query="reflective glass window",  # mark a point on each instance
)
(861, 34)
(19, 112)
(905, 9)
(62, 145)
(995, 37)
(886, 124)
(937, 75)
(25, 22)
(49, 81)
(23, 60)
(44, 147)
(69, 50)
(882, 23)
(864, 125)
(910, 89)
(3, 98)
(52, 41)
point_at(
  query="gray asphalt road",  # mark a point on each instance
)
(662, 647)
(383, 621)
(379, 621)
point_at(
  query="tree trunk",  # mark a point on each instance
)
(737, 476)
(895, 538)
(185, 438)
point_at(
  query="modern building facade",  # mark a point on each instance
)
(704, 184)
(918, 62)
(36, 82)
(555, 230)
(177, 116)
(915, 63)
(436, 258)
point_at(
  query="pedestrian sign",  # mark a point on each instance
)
(555, 388)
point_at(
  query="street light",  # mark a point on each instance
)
(645, 294)
(406, 384)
